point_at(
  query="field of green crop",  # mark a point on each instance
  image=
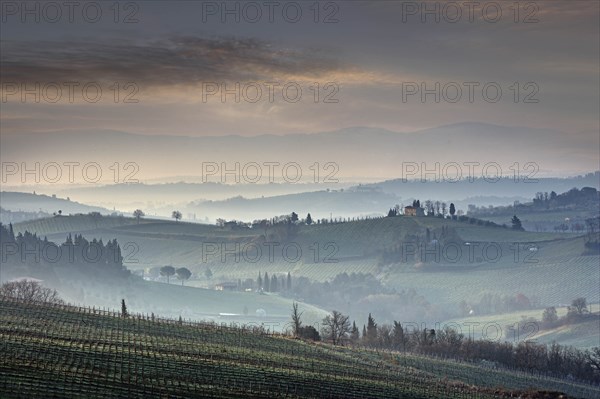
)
(62, 351)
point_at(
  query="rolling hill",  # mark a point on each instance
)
(18, 201)
(548, 268)
(82, 352)
(579, 335)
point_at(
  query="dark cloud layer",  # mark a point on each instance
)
(178, 60)
(368, 54)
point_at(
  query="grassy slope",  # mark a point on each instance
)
(581, 335)
(559, 273)
(161, 242)
(64, 352)
(174, 300)
(555, 274)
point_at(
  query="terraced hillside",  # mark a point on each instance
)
(61, 351)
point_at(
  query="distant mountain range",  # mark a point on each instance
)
(209, 201)
(358, 153)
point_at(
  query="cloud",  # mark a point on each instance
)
(176, 61)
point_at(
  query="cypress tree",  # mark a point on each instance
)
(123, 308)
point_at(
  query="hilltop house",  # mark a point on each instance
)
(413, 211)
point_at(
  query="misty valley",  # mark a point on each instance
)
(300, 199)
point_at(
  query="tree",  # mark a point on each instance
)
(399, 338)
(294, 217)
(267, 282)
(176, 215)
(296, 319)
(384, 336)
(259, 281)
(549, 317)
(309, 220)
(183, 274)
(429, 207)
(371, 336)
(516, 223)
(273, 287)
(123, 309)
(167, 271)
(593, 358)
(452, 210)
(579, 305)
(208, 273)
(309, 332)
(138, 214)
(354, 334)
(336, 326)
(289, 281)
(29, 291)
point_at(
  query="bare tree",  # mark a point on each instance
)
(30, 291)
(579, 305)
(297, 322)
(593, 358)
(429, 207)
(336, 327)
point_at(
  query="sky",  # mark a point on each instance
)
(198, 68)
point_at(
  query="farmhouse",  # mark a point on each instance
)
(227, 286)
(413, 211)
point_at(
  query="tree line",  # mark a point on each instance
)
(555, 359)
(27, 249)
